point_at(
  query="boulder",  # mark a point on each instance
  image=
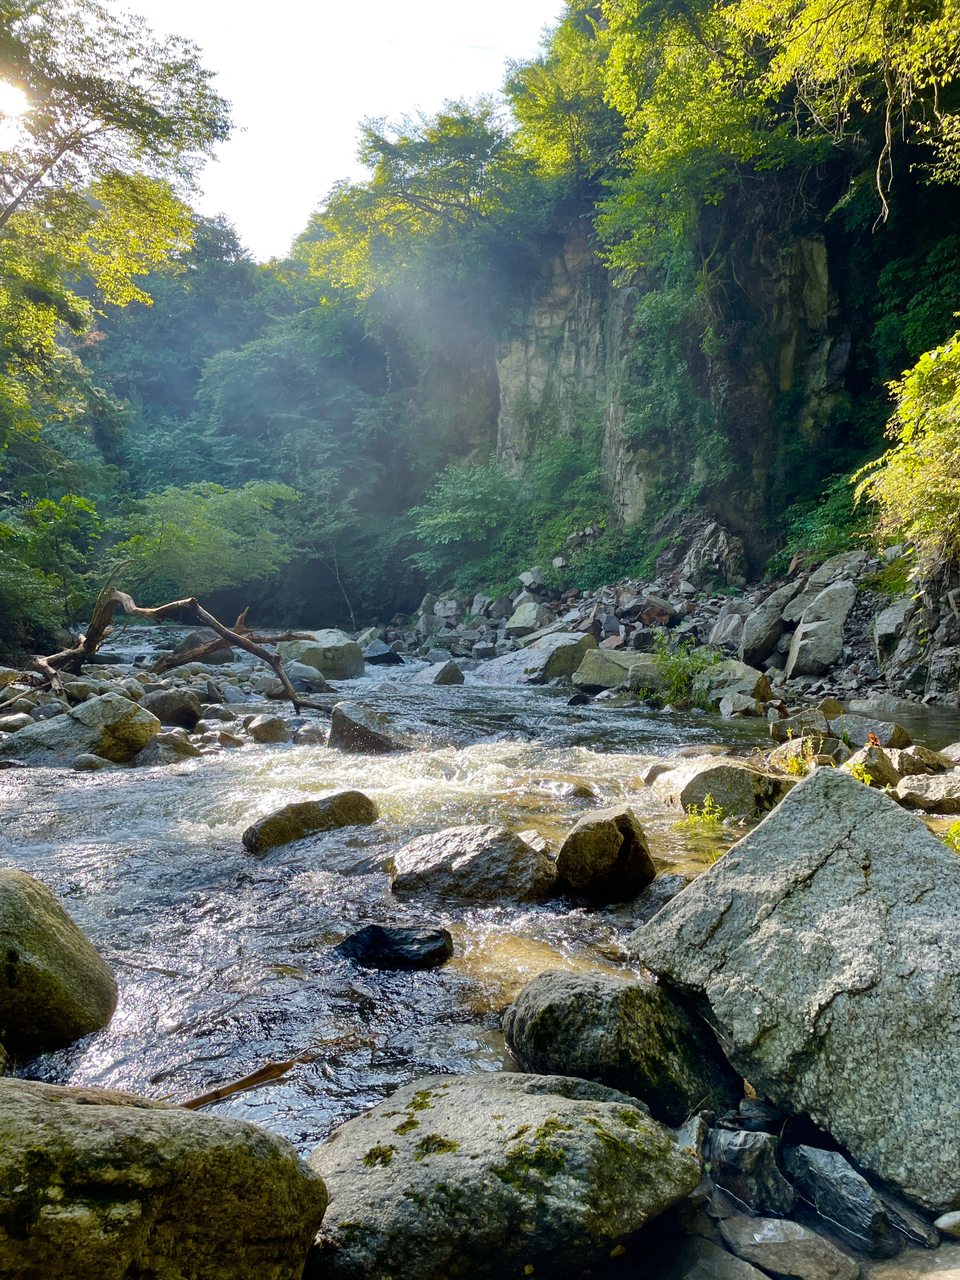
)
(843, 1199)
(269, 728)
(357, 729)
(93, 764)
(393, 948)
(933, 793)
(727, 632)
(174, 706)
(744, 1164)
(605, 856)
(873, 766)
(309, 676)
(861, 731)
(739, 704)
(307, 817)
(440, 673)
(630, 1035)
(889, 626)
(825, 950)
(763, 628)
(474, 863)
(735, 786)
(730, 676)
(165, 748)
(550, 657)
(811, 722)
(119, 1186)
(332, 652)
(715, 555)
(786, 1248)
(380, 654)
(493, 1175)
(54, 986)
(528, 617)
(609, 668)
(814, 649)
(14, 723)
(110, 726)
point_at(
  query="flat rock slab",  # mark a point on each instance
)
(308, 817)
(473, 863)
(825, 950)
(490, 1175)
(631, 1035)
(605, 856)
(376, 947)
(98, 1185)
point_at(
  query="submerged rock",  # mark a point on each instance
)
(395, 948)
(54, 985)
(474, 863)
(605, 856)
(307, 817)
(121, 1186)
(825, 949)
(490, 1176)
(630, 1035)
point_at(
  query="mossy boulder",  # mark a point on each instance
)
(308, 817)
(111, 726)
(500, 1175)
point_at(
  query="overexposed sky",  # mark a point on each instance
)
(301, 76)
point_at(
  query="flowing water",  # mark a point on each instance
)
(225, 960)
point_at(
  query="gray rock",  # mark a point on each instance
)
(859, 731)
(165, 748)
(876, 766)
(310, 676)
(630, 1035)
(550, 657)
(174, 706)
(488, 1175)
(727, 632)
(405, 949)
(735, 785)
(473, 863)
(844, 1200)
(888, 626)
(605, 856)
(357, 729)
(110, 726)
(744, 1165)
(12, 724)
(269, 728)
(731, 676)
(307, 817)
(815, 648)
(825, 950)
(882, 706)
(529, 617)
(763, 627)
(739, 704)
(91, 764)
(331, 652)
(54, 986)
(205, 635)
(804, 724)
(933, 793)
(439, 673)
(609, 668)
(949, 1223)
(700, 1259)
(787, 1249)
(122, 1186)
(832, 604)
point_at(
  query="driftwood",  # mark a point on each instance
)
(188, 610)
(197, 654)
(263, 1075)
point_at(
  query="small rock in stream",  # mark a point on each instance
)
(308, 817)
(376, 947)
(605, 856)
(268, 728)
(355, 728)
(473, 863)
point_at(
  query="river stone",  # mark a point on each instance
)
(269, 728)
(174, 706)
(605, 856)
(310, 676)
(395, 948)
(811, 721)
(307, 817)
(933, 793)
(90, 764)
(824, 947)
(815, 648)
(13, 724)
(493, 1175)
(441, 673)
(357, 729)
(744, 1164)
(844, 1200)
(110, 725)
(630, 1035)
(787, 1249)
(608, 669)
(713, 684)
(165, 748)
(550, 657)
(859, 730)
(332, 652)
(101, 1185)
(876, 766)
(734, 785)
(473, 862)
(380, 654)
(54, 986)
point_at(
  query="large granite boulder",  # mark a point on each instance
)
(174, 706)
(609, 668)
(735, 786)
(331, 652)
(493, 1175)
(99, 1185)
(551, 657)
(630, 1035)
(203, 636)
(473, 863)
(730, 676)
(605, 856)
(110, 726)
(54, 986)
(308, 817)
(763, 628)
(825, 950)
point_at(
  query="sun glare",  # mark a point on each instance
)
(13, 101)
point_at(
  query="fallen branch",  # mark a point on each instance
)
(263, 1075)
(199, 652)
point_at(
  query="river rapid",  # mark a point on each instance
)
(225, 961)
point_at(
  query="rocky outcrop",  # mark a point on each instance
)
(626, 1034)
(99, 1185)
(823, 948)
(308, 817)
(111, 726)
(605, 856)
(491, 1175)
(473, 863)
(54, 986)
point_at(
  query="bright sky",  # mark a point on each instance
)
(302, 74)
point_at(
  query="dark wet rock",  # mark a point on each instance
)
(121, 1186)
(473, 863)
(54, 986)
(308, 817)
(787, 1249)
(268, 728)
(356, 728)
(844, 1200)
(440, 673)
(174, 706)
(656, 895)
(744, 1164)
(825, 949)
(700, 1259)
(488, 1175)
(379, 653)
(110, 726)
(859, 731)
(605, 856)
(376, 947)
(630, 1035)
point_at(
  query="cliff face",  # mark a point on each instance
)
(771, 381)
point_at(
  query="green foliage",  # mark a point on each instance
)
(951, 837)
(821, 526)
(679, 667)
(705, 819)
